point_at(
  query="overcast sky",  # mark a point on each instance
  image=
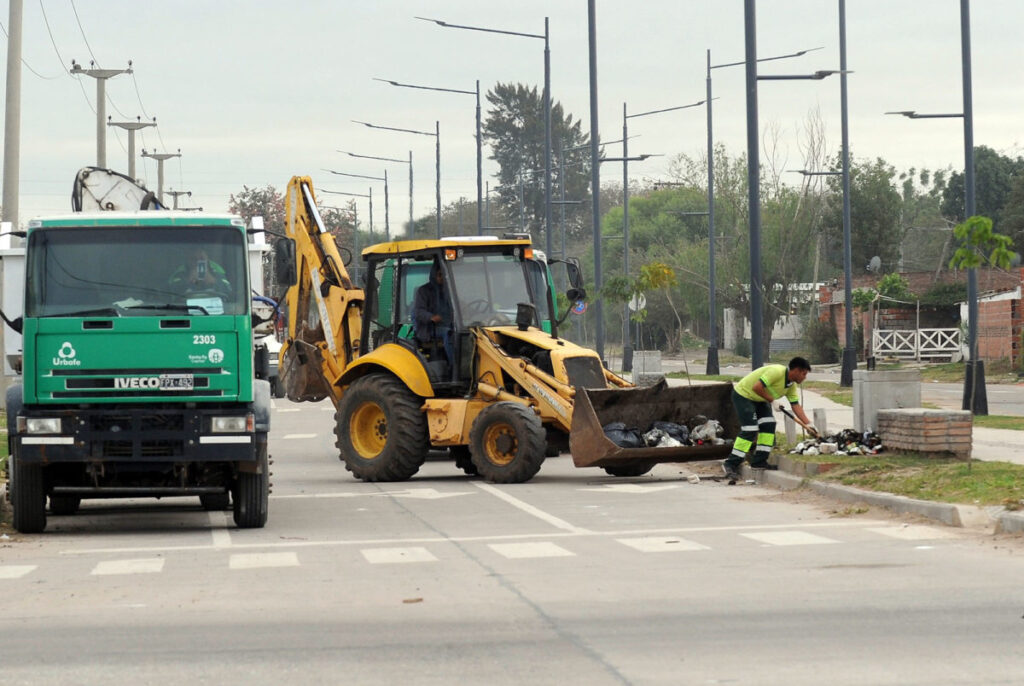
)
(253, 92)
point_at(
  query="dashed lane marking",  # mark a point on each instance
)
(262, 560)
(397, 555)
(789, 538)
(148, 565)
(515, 551)
(913, 532)
(289, 437)
(662, 544)
(15, 571)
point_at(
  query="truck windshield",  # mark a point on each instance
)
(488, 288)
(136, 271)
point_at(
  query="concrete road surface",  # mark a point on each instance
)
(573, 578)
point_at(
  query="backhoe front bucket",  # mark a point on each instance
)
(639, 408)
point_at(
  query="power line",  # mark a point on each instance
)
(27, 65)
(89, 47)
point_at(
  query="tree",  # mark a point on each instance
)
(993, 178)
(875, 204)
(515, 130)
(259, 202)
(1012, 214)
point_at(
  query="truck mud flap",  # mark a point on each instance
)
(639, 408)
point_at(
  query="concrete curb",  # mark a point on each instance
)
(949, 514)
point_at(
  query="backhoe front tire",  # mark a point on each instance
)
(631, 469)
(380, 431)
(28, 496)
(507, 443)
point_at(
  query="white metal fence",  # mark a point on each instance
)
(916, 343)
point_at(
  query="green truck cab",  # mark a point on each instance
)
(137, 367)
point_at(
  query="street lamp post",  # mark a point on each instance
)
(101, 76)
(355, 222)
(975, 398)
(391, 159)
(547, 107)
(160, 158)
(754, 172)
(387, 223)
(479, 142)
(437, 172)
(712, 361)
(627, 342)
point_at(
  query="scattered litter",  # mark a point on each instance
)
(693, 479)
(4, 537)
(846, 442)
(656, 438)
(409, 601)
(698, 431)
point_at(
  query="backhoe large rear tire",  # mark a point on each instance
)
(28, 496)
(507, 443)
(380, 430)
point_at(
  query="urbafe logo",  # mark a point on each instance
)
(216, 355)
(66, 356)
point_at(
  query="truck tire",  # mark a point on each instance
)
(252, 491)
(28, 496)
(64, 505)
(380, 432)
(632, 469)
(507, 442)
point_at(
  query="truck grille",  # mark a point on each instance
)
(100, 383)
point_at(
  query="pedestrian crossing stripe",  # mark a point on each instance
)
(789, 538)
(397, 555)
(662, 544)
(262, 560)
(15, 571)
(514, 551)
(149, 565)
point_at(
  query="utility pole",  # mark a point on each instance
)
(12, 116)
(101, 76)
(175, 194)
(160, 158)
(131, 127)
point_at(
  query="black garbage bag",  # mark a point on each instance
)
(622, 436)
(680, 432)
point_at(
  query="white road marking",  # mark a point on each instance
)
(327, 408)
(149, 565)
(530, 509)
(332, 543)
(527, 550)
(789, 538)
(396, 555)
(288, 409)
(260, 560)
(221, 535)
(662, 544)
(913, 532)
(415, 493)
(15, 571)
(288, 437)
(630, 488)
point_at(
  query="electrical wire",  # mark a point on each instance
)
(88, 47)
(27, 65)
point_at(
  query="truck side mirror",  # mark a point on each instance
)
(285, 272)
(574, 273)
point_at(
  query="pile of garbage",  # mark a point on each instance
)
(699, 430)
(846, 442)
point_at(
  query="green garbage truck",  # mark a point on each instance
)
(138, 377)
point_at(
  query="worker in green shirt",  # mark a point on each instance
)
(752, 396)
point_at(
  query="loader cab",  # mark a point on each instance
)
(484, 284)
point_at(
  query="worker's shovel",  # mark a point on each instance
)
(807, 427)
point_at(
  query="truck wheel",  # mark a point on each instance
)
(632, 469)
(64, 505)
(507, 442)
(276, 387)
(213, 502)
(28, 496)
(381, 432)
(463, 459)
(252, 491)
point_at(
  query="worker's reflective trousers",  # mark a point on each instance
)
(757, 427)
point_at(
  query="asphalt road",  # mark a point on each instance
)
(575, 577)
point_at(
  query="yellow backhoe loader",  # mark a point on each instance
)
(486, 376)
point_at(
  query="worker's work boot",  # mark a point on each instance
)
(731, 470)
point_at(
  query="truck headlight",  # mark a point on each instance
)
(39, 425)
(224, 425)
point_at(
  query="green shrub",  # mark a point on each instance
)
(743, 347)
(822, 341)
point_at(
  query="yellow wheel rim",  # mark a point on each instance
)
(368, 430)
(500, 443)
